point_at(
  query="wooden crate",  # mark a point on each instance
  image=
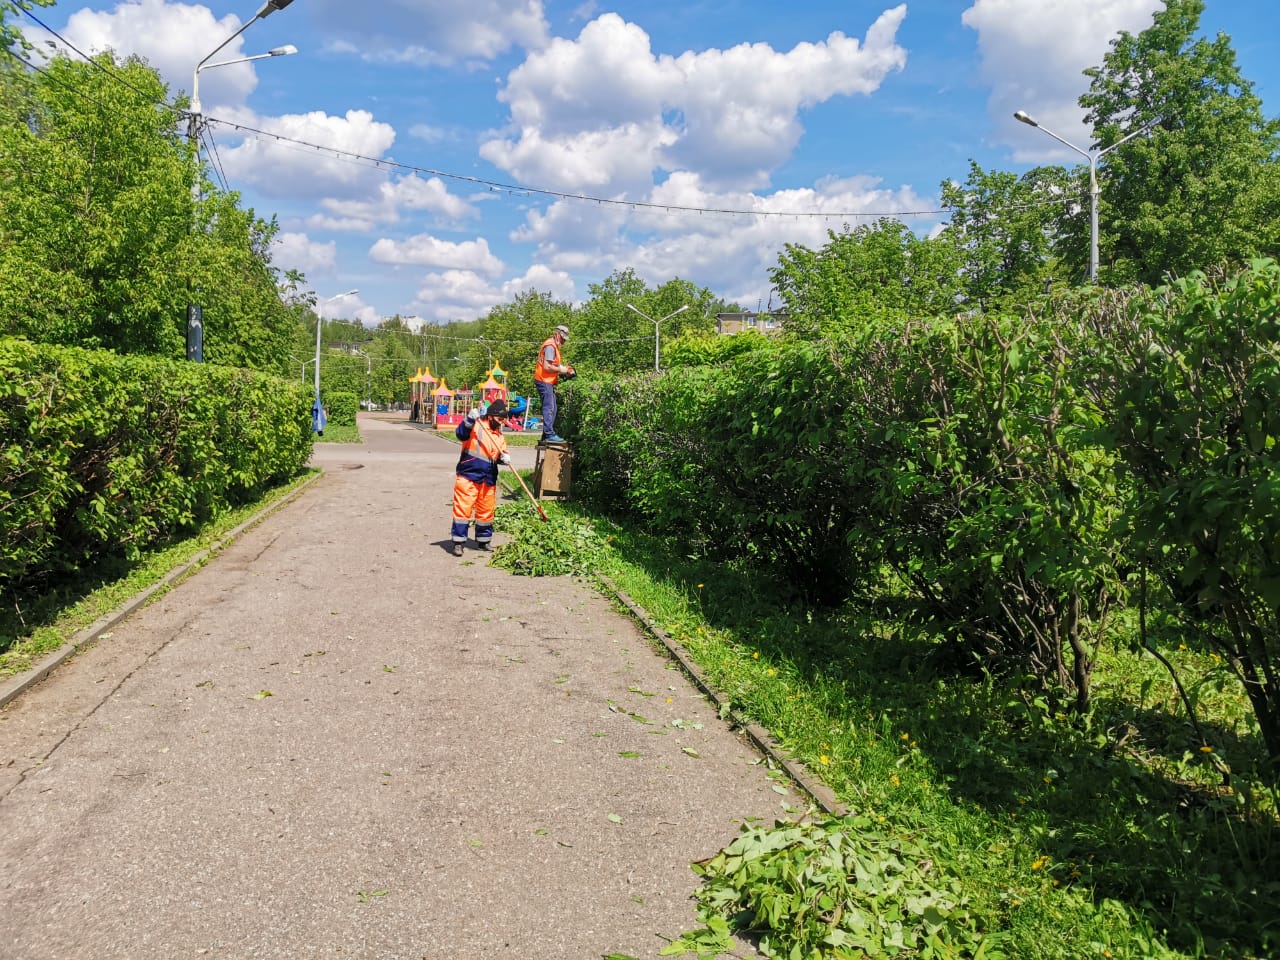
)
(553, 471)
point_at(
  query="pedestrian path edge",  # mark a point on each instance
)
(14, 687)
(764, 741)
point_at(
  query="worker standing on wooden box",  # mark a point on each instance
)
(551, 369)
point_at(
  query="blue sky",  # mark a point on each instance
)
(827, 112)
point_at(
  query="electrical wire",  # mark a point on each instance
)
(206, 135)
(114, 75)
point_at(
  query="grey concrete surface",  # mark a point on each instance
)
(337, 740)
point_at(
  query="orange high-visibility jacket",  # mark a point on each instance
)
(481, 448)
(543, 373)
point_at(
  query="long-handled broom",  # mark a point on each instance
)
(525, 487)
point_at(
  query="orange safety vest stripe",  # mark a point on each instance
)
(542, 374)
(484, 444)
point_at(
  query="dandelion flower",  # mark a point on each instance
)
(905, 736)
(893, 778)
(701, 585)
(1040, 863)
(756, 655)
(1206, 749)
(824, 759)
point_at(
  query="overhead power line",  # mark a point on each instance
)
(113, 74)
(515, 189)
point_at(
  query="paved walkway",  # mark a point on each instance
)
(337, 740)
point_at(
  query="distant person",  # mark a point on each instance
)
(551, 367)
(475, 487)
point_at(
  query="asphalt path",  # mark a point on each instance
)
(338, 740)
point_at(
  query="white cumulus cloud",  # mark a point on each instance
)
(428, 251)
(287, 168)
(433, 32)
(464, 294)
(604, 110)
(297, 251)
(172, 38)
(1034, 54)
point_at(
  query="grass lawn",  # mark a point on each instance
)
(980, 821)
(340, 433)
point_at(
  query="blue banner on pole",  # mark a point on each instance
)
(318, 419)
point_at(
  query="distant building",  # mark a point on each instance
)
(766, 323)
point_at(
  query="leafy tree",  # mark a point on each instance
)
(9, 12)
(866, 272)
(1171, 200)
(97, 246)
(1004, 225)
(513, 331)
(613, 339)
(96, 211)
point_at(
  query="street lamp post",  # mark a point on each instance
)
(368, 376)
(656, 324)
(195, 315)
(1094, 191)
(302, 366)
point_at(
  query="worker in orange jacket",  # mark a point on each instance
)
(546, 375)
(476, 486)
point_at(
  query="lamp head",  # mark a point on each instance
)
(271, 6)
(287, 50)
(1023, 117)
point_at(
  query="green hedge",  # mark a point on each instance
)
(1004, 477)
(106, 454)
(341, 406)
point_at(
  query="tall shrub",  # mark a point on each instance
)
(1195, 421)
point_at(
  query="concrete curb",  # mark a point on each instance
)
(821, 794)
(14, 687)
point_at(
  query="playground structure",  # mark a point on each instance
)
(420, 385)
(434, 402)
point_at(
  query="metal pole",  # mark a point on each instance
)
(195, 315)
(1094, 191)
(1093, 220)
(655, 346)
(319, 323)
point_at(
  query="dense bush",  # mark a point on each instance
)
(1008, 473)
(104, 454)
(341, 407)
(1193, 391)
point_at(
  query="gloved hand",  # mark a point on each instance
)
(570, 375)
(504, 458)
(474, 415)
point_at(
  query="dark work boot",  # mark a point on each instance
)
(483, 546)
(457, 548)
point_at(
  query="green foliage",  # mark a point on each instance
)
(844, 889)
(709, 349)
(9, 34)
(342, 408)
(611, 339)
(105, 455)
(98, 248)
(1195, 395)
(1172, 201)
(565, 545)
(869, 272)
(1003, 225)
